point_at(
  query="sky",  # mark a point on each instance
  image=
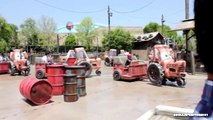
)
(124, 12)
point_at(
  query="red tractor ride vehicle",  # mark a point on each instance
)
(108, 58)
(80, 57)
(4, 64)
(135, 70)
(19, 63)
(163, 66)
(41, 67)
(41, 70)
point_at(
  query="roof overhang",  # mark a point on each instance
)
(185, 25)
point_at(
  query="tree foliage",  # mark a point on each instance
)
(167, 33)
(14, 41)
(70, 40)
(47, 36)
(7, 33)
(3, 46)
(86, 33)
(118, 39)
(151, 27)
(29, 32)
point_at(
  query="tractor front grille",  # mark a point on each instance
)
(181, 69)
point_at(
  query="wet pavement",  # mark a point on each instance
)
(106, 99)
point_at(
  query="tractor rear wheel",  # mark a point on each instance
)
(12, 69)
(88, 67)
(155, 73)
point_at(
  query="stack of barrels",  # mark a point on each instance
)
(61, 80)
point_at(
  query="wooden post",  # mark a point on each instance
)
(192, 58)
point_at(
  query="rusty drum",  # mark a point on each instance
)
(81, 85)
(37, 91)
(78, 70)
(70, 88)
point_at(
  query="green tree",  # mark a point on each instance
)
(86, 33)
(6, 34)
(3, 46)
(14, 41)
(151, 27)
(70, 40)
(29, 31)
(118, 39)
(47, 36)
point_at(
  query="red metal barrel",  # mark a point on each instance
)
(55, 69)
(37, 91)
(78, 70)
(57, 82)
(71, 61)
(55, 77)
(70, 88)
(4, 67)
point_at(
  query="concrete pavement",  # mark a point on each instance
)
(106, 99)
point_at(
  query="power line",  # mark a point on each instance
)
(135, 10)
(66, 10)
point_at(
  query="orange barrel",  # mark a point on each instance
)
(37, 91)
(4, 67)
(55, 75)
(70, 88)
(78, 70)
(81, 85)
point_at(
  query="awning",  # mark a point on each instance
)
(185, 25)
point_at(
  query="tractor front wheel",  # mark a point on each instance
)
(116, 75)
(27, 72)
(181, 82)
(88, 67)
(40, 74)
(107, 62)
(98, 72)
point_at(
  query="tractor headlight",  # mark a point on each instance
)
(28, 62)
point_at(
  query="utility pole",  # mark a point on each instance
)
(162, 23)
(187, 17)
(58, 43)
(186, 9)
(109, 15)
